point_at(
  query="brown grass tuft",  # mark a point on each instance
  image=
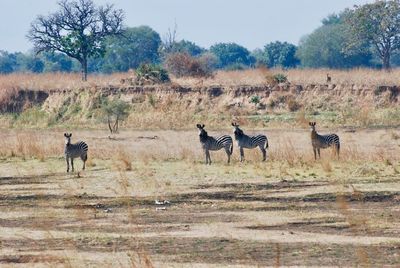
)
(125, 159)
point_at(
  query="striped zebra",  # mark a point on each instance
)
(74, 150)
(323, 141)
(250, 142)
(210, 143)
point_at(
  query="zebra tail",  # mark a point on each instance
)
(231, 148)
(266, 145)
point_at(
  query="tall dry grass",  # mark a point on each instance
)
(58, 81)
(253, 77)
(368, 77)
(292, 147)
(30, 145)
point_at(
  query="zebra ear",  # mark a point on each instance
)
(198, 126)
(70, 134)
(65, 134)
(203, 126)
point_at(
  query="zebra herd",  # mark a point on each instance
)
(210, 143)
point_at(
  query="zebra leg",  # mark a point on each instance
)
(228, 153)
(241, 154)
(319, 153)
(264, 152)
(337, 151)
(208, 157)
(72, 164)
(84, 158)
(66, 158)
(315, 153)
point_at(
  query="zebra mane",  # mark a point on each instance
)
(238, 132)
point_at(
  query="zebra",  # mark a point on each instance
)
(210, 143)
(75, 150)
(323, 141)
(250, 142)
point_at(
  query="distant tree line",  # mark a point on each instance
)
(364, 36)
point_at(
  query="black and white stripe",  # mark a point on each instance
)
(210, 143)
(323, 141)
(75, 150)
(250, 142)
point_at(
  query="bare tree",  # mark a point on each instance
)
(78, 29)
(169, 40)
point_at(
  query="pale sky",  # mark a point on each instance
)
(250, 23)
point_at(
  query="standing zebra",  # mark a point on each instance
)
(323, 141)
(250, 142)
(75, 150)
(210, 143)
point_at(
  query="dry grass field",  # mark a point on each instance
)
(252, 77)
(289, 210)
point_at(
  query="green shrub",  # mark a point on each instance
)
(151, 74)
(280, 78)
(255, 100)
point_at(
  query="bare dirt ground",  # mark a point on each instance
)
(288, 211)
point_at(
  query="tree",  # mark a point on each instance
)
(79, 30)
(378, 24)
(135, 46)
(189, 47)
(115, 111)
(278, 54)
(58, 62)
(8, 62)
(325, 47)
(231, 54)
(30, 63)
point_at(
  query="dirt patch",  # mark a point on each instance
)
(223, 251)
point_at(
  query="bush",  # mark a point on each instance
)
(280, 78)
(292, 104)
(182, 64)
(255, 100)
(151, 74)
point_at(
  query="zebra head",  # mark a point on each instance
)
(202, 133)
(67, 138)
(312, 125)
(237, 131)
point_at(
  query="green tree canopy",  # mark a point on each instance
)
(229, 54)
(8, 62)
(378, 24)
(325, 47)
(135, 46)
(279, 54)
(189, 47)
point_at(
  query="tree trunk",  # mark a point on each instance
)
(109, 124)
(386, 61)
(116, 125)
(84, 69)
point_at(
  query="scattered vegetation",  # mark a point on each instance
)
(115, 111)
(280, 78)
(150, 74)
(182, 64)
